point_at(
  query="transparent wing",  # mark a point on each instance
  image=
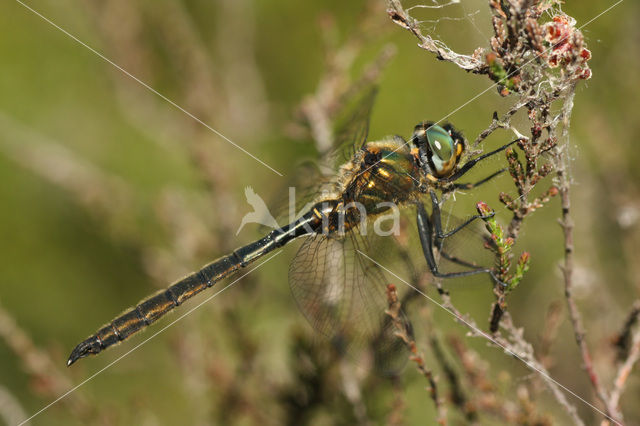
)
(313, 177)
(352, 132)
(343, 296)
(297, 195)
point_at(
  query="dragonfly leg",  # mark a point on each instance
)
(469, 164)
(478, 183)
(426, 234)
(457, 260)
(437, 222)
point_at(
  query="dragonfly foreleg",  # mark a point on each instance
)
(478, 183)
(469, 164)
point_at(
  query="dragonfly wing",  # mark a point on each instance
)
(343, 296)
(352, 132)
(317, 277)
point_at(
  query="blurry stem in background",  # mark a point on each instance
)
(457, 392)
(108, 198)
(10, 409)
(352, 389)
(148, 87)
(46, 377)
(625, 370)
(514, 345)
(566, 222)
(553, 319)
(487, 397)
(623, 340)
(199, 90)
(112, 203)
(316, 115)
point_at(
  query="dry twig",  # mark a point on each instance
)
(540, 64)
(404, 334)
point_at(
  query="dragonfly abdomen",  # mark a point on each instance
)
(152, 308)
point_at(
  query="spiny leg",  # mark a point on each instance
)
(457, 260)
(478, 183)
(430, 230)
(437, 221)
(426, 234)
(469, 164)
(440, 235)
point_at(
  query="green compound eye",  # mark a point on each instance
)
(441, 145)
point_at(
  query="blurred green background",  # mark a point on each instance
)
(109, 193)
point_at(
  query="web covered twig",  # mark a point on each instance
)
(537, 56)
(402, 18)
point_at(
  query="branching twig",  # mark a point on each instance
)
(516, 345)
(523, 60)
(404, 334)
(623, 339)
(400, 16)
(624, 371)
(567, 270)
(628, 343)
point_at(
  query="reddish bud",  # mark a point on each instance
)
(491, 58)
(483, 208)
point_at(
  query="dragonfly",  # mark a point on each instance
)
(340, 292)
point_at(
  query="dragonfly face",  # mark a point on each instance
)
(440, 149)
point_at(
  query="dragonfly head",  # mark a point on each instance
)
(440, 148)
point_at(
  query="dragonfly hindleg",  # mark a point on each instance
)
(427, 234)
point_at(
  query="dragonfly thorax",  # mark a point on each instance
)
(382, 173)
